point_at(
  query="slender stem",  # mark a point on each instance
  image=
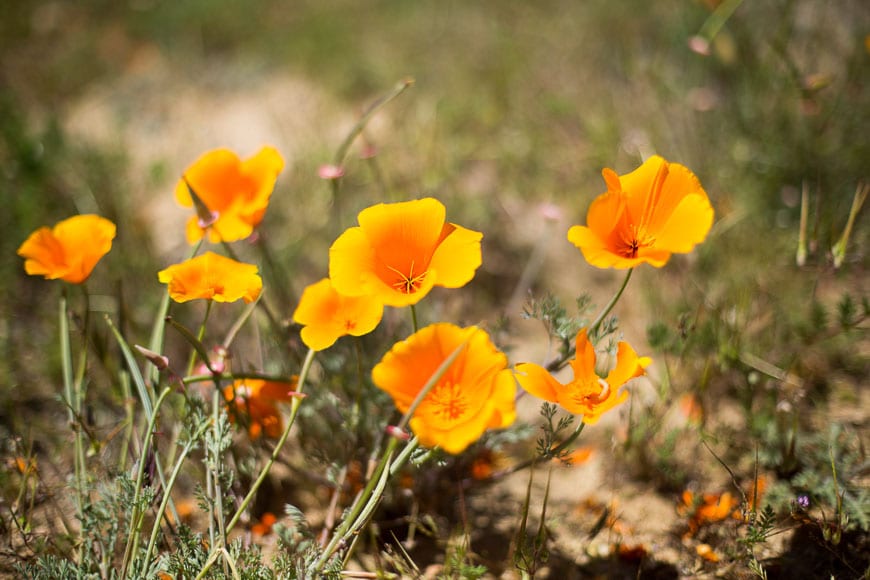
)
(188, 447)
(78, 388)
(69, 394)
(136, 514)
(199, 336)
(600, 318)
(341, 153)
(366, 501)
(414, 317)
(294, 409)
(551, 453)
(216, 465)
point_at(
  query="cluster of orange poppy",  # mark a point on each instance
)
(394, 257)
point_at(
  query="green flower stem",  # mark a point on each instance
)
(124, 379)
(551, 453)
(400, 88)
(368, 499)
(559, 362)
(136, 517)
(69, 395)
(188, 447)
(142, 390)
(199, 336)
(414, 317)
(277, 327)
(294, 409)
(600, 318)
(234, 376)
(360, 504)
(215, 467)
(718, 18)
(356, 130)
(839, 249)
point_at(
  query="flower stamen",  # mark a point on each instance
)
(408, 284)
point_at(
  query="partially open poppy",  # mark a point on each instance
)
(327, 315)
(257, 401)
(400, 251)
(237, 192)
(70, 250)
(587, 394)
(645, 216)
(212, 277)
(476, 392)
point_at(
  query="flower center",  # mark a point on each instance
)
(408, 283)
(448, 400)
(635, 239)
(592, 392)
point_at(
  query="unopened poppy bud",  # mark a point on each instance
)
(400, 434)
(550, 212)
(699, 45)
(158, 360)
(329, 171)
(205, 217)
(368, 151)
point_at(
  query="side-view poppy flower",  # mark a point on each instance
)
(237, 192)
(70, 250)
(657, 210)
(327, 315)
(587, 394)
(257, 401)
(476, 392)
(212, 277)
(400, 251)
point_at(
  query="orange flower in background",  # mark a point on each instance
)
(327, 315)
(400, 251)
(587, 394)
(657, 210)
(257, 400)
(476, 392)
(70, 250)
(710, 508)
(212, 277)
(263, 527)
(236, 191)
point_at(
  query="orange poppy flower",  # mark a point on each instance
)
(263, 527)
(327, 315)
(476, 392)
(401, 250)
(212, 277)
(587, 394)
(69, 250)
(257, 400)
(236, 191)
(656, 210)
